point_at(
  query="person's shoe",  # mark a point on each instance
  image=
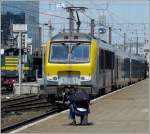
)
(74, 122)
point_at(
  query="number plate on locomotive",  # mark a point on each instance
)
(69, 80)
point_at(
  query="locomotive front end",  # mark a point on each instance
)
(70, 63)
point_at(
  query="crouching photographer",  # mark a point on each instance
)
(79, 106)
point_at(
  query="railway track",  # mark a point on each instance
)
(24, 122)
(19, 99)
(24, 107)
(27, 104)
(24, 103)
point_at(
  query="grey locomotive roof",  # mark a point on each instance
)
(71, 37)
(85, 37)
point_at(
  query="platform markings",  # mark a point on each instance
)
(57, 114)
(114, 92)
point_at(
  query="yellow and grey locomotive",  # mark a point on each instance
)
(79, 61)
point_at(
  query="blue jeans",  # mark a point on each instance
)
(72, 111)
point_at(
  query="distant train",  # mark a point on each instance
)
(79, 61)
(10, 64)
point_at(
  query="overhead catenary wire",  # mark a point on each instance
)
(81, 12)
(111, 13)
(48, 14)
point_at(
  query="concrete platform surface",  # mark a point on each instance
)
(125, 111)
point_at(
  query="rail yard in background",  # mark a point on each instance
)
(41, 67)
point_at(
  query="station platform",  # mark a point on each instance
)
(123, 111)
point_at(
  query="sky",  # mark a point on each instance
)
(131, 16)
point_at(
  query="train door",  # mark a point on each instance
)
(116, 70)
(122, 60)
(146, 72)
(98, 70)
(108, 70)
(101, 71)
(112, 68)
(102, 68)
(130, 69)
(119, 72)
(104, 71)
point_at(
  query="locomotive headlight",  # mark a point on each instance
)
(52, 78)
(85, 78)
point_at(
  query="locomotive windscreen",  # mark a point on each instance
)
(69, 52)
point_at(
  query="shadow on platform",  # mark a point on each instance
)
(78, 124)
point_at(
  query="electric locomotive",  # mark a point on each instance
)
(81, 62)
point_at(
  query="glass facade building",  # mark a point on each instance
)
(20, 12)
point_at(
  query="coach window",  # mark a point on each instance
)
(108, 61)
(113, 58)
(101, 59)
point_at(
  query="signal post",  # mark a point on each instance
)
(20, 29)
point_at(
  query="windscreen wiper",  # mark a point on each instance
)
(74, 46)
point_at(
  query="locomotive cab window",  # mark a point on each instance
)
(80, 53)
(70, 52)
(58, 53)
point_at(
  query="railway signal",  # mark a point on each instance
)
(24, 40)
(20, 29)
